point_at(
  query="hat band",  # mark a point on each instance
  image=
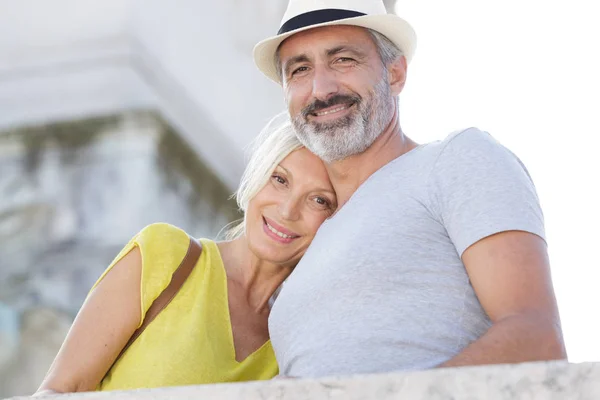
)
(317, 17)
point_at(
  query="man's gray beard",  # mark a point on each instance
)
(349, 135)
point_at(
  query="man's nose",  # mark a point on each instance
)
(324, 83)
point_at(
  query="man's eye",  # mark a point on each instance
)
(300, 69)
(278, 179)
(345, 60)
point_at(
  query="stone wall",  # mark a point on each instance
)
(71, 195)
(532, 381)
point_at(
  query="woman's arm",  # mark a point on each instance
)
(103, 326)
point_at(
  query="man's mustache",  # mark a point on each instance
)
(319, 105)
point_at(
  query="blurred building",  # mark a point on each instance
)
(113, 114)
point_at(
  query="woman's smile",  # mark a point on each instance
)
(278, 232)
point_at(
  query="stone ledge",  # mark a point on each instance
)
(543, 381)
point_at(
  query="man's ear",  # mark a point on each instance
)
(397, 75)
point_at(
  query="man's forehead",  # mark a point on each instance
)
(322, 39)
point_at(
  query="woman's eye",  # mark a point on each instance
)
(321, 201)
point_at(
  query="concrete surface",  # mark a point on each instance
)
(543, 381)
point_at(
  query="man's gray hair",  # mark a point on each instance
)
(388, 51)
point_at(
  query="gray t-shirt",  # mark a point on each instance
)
(382, 287)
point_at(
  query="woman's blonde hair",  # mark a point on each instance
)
(274, 143)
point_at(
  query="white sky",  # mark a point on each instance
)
(528, 72)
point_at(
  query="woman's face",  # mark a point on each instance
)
(283, 218)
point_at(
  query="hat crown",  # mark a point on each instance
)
(302, 15)
(299, 7)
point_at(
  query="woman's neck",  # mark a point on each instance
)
(257, 279)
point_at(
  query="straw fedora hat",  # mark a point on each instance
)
(302, 15)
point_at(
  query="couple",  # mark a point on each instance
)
(420, 256)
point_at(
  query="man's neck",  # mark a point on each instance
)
(348, 174)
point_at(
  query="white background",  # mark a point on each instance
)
(528, 72)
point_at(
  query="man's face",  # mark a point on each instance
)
(337, 90)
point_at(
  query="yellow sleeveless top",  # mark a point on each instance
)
(190, 342)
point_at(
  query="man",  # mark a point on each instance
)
(436, 256)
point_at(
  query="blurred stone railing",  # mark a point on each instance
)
(543, 381)
(72, 193)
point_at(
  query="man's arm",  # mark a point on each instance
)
(510, 273)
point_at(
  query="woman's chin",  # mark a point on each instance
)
(267, 249)
(278, 256)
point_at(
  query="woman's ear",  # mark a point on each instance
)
(397, 75)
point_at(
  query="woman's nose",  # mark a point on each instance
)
(290, 209)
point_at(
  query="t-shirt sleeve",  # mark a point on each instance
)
(162, 247)
(479, 188)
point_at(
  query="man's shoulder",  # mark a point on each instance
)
(461, 139)
(472, 152)
(472, 144)
(468, 137)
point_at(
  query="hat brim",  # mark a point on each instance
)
(391, 26)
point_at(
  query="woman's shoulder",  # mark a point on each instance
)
(162, 243)
(162, 247)
(161, 234)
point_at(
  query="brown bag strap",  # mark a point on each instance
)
(177, 280)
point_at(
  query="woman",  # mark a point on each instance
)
(215, 329)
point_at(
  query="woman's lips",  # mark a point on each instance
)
(278, 232)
